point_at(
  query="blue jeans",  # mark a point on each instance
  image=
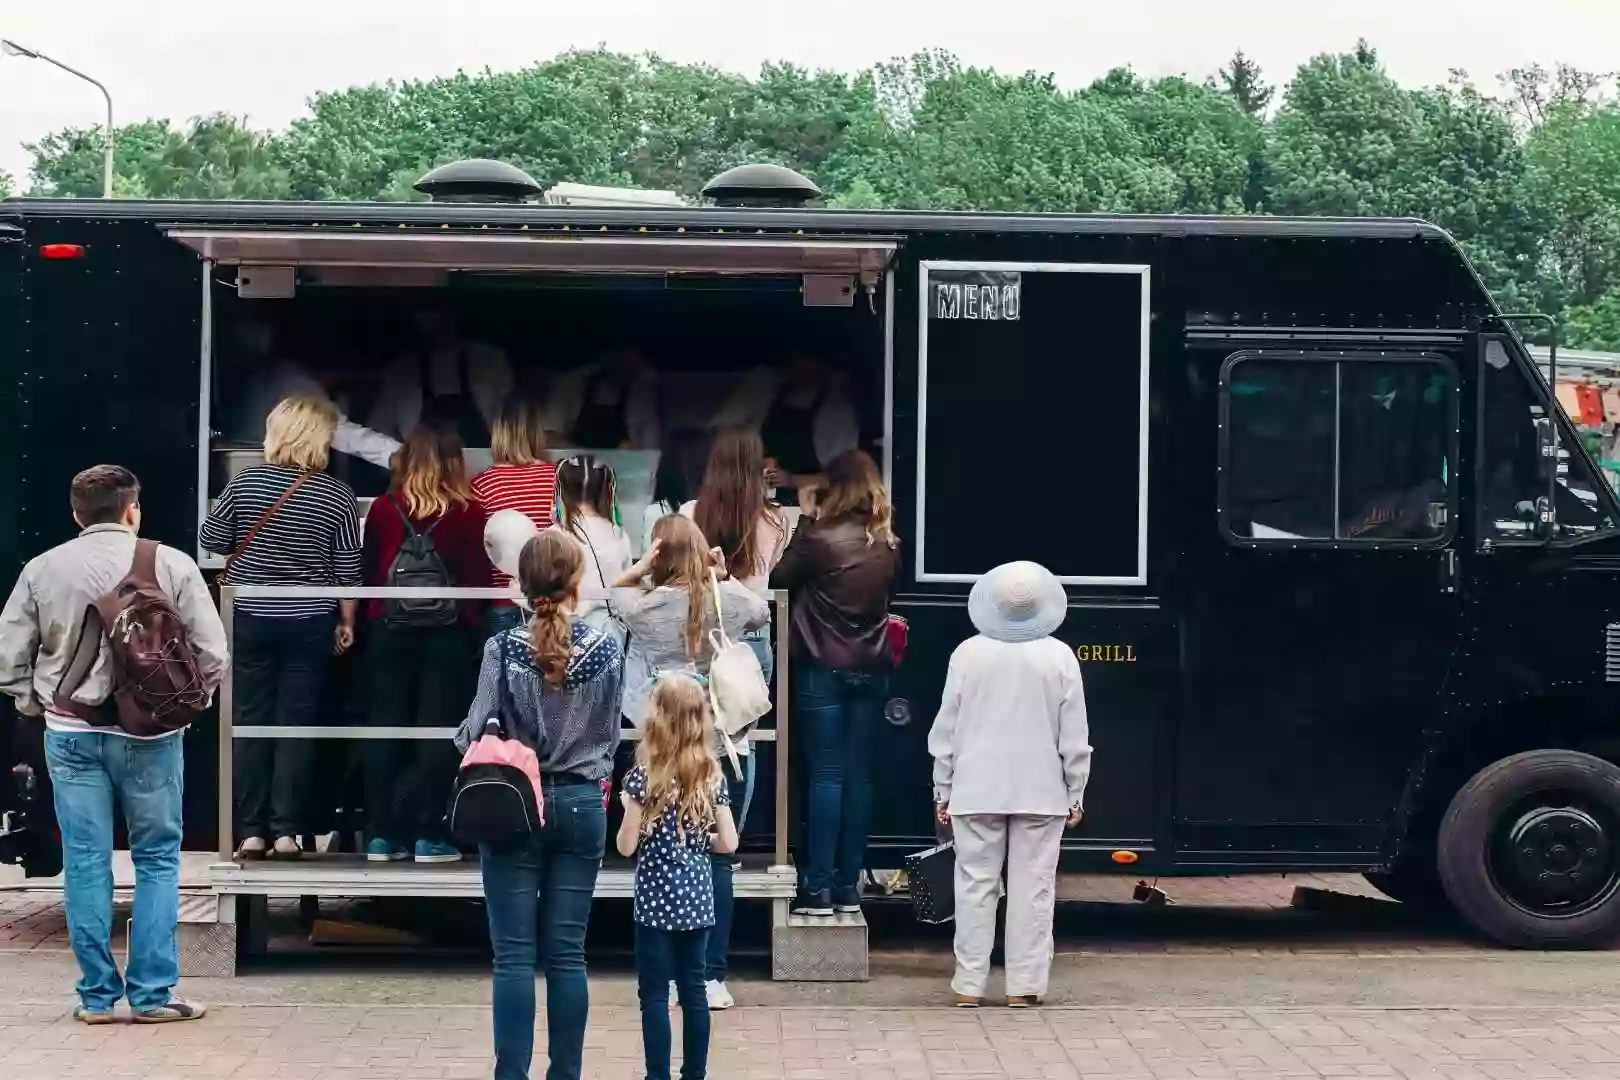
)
(90, 771)
(835, 714)
(539, 900)
(502, 617)
(760, 642)
(663, 956)
(716, 960)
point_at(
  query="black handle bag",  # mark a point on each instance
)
(931, 876)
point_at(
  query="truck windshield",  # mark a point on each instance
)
(1510, 480)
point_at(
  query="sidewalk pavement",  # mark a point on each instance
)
(425, 1042)
(1229, 984)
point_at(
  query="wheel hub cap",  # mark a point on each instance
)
(1557, 856)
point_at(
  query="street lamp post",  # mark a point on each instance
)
(11, 48)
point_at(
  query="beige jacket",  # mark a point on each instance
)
(40, 624)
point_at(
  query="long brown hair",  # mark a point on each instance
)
(430, 474)
(549, 571)
(584, 481)
(855, 489)
(683, 559)
(733, 499)
(677, 750)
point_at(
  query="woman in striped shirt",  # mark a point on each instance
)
(521, 479)
(284, 522)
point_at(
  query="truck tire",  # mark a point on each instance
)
(1529, 850)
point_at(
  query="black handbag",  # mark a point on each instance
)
(931, 876)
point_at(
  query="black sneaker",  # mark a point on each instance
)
(813, 903)
(846, 901)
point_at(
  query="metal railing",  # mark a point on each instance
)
(229, 731)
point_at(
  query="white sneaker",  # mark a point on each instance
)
(286, 848)
(252, 848)
(720, 998)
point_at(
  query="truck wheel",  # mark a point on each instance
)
(1529, 850)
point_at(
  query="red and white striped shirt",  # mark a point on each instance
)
(531, 490)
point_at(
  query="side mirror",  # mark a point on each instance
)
(1547, 468)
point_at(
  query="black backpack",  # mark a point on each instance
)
(494, 801)
(418, 565)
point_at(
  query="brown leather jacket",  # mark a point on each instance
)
(839, 585)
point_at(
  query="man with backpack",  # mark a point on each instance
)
(115, 643)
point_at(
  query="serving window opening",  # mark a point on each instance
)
(635, 349)
(1033, 394)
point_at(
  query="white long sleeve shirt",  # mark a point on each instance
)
(1011, 734)
(837, 428)
(282, 379)
(399, 405)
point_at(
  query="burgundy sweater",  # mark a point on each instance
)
(459, 538)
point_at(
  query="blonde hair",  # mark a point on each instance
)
(430, 475)
(855, 489)
(549, 571)
(677, 751)
(517, 437)
(683, 559)
(298, 433)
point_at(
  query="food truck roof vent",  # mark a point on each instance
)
(761, 185)
(478, 180)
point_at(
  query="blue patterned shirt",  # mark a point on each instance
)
(674, 879)
(574, 728)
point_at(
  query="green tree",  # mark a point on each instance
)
(1595, 325)
(5, 184)
(1574, 191)
(1200, 135)
(214, 157)
(1242, 81)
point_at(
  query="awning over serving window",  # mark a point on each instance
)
(506, 250)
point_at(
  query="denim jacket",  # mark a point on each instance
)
(574, 728)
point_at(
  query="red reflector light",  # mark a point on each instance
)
(61, 251)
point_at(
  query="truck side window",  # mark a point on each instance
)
(1338, 449)
(1510, 478)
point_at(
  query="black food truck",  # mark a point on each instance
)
(1344, 585)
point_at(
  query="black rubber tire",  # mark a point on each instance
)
(1463, 848)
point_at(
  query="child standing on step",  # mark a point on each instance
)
(676, 814)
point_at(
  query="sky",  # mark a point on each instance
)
(182, 58)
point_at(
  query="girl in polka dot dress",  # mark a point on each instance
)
(676, 814)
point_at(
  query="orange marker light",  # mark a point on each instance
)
(61, 251)
(1124, 858)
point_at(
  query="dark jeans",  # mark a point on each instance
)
(281, 667)
(719, 948)
(663, 956)
(835, 715)
(502, 617)
(419, 678)
(558, 870)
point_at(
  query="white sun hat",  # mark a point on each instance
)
(504, 536)
(1018, 601)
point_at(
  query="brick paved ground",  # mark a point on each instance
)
(425, 1043)
(1230, 984)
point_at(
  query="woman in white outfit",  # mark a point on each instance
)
(1011, 757)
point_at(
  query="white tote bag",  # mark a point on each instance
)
(738, 692)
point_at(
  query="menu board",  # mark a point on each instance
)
(1032, 409)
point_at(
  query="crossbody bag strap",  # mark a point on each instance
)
(264, 519)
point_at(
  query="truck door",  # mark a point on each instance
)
(1545, 580)
(28, 843)
(1322, 634)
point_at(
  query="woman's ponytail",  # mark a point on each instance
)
(549, 572)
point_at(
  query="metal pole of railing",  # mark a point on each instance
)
(227, 848)
(783, 751)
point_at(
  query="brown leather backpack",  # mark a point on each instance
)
(156, 687)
